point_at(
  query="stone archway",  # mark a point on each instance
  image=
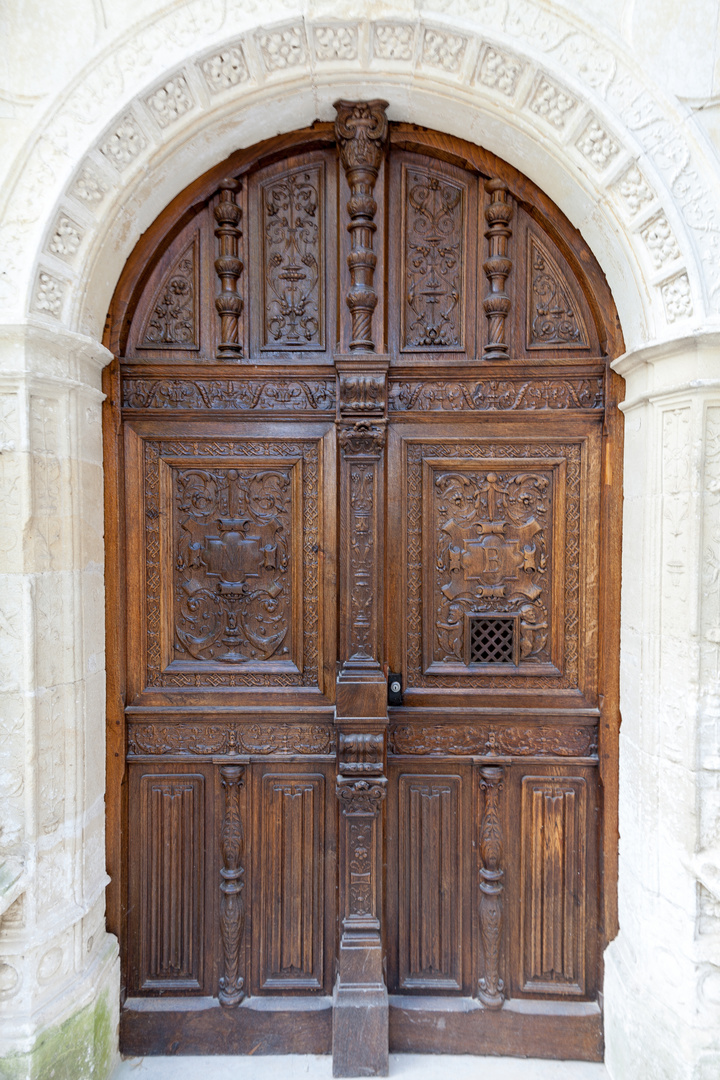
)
(171, 98)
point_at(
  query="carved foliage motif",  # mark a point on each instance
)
(232, 906)
(293, 246)
(233, 564)
(433, 261)
(362, 438)
(230, 557)
(478, 738)
(283, 395)
(362, 393)
(554, 316)
(362, 576)
(571, 452)
(497, 394)
(206, 739)
(361, 753)
(492, 553)
(173, 318)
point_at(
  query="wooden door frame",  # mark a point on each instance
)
(134, 276)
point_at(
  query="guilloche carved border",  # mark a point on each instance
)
(482, 738)
(202, 738)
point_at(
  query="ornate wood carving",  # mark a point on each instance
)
(172, 322)
(172, 854)
(362, 392)
(534, 395)
(294, 243)
(433, 261)
(361, 753)
(491, 989)
(421, 560)
(480, 738)
(497, 267)
(361, 129)
(281, 395)
(196, 670)
(430, 886)
(492, 553)
(233, 577)
(206, 738)
(362, 439)
(360, 804)
(554, 316)
(554, 883)
(232, 905)
(293, 886)
(228, 266)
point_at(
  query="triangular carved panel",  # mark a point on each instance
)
(554, 313)
(172, 320)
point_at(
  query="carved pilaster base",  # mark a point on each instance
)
(360, 1015)
(361, 691)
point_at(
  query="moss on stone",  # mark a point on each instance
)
(81, 1048)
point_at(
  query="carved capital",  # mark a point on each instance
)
(361, 753)
(363, 438)
(361, 128)
(361, 796)
(362, 392)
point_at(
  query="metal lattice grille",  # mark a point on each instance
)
(492, 641)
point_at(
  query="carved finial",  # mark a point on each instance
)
(229, 268)
(497, 267)
(361, 128)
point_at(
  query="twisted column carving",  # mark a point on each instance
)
(229, 268)
(497, 267)
(232, 906)
(491, 989)
(361, 129)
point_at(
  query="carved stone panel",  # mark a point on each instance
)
(292, 209)
(171, 875)
(492, 535)
(430, 882)
(172, 321)
(292, 875)
(554, 876)
(231, 540)
(433, 260)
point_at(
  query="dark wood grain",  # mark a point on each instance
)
(361, 419)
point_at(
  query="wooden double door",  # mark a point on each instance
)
(362, 505)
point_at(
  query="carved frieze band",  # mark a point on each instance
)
(205, 739)
(497, 268)
(491, 989)
(232, 906)
(490, 395)
(229, 268)
(361, 129)
(233, 395)
(482, 738)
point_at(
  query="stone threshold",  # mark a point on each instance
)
(309, 1067)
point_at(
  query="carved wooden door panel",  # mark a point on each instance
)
(362, 615)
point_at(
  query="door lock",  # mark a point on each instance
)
(395, 696)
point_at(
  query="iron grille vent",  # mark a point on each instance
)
(492, 640)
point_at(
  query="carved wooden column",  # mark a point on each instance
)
(232, 906)
(229, 268)
(497, 267)
(360, 1007)
(491, 989)
(361, 129)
